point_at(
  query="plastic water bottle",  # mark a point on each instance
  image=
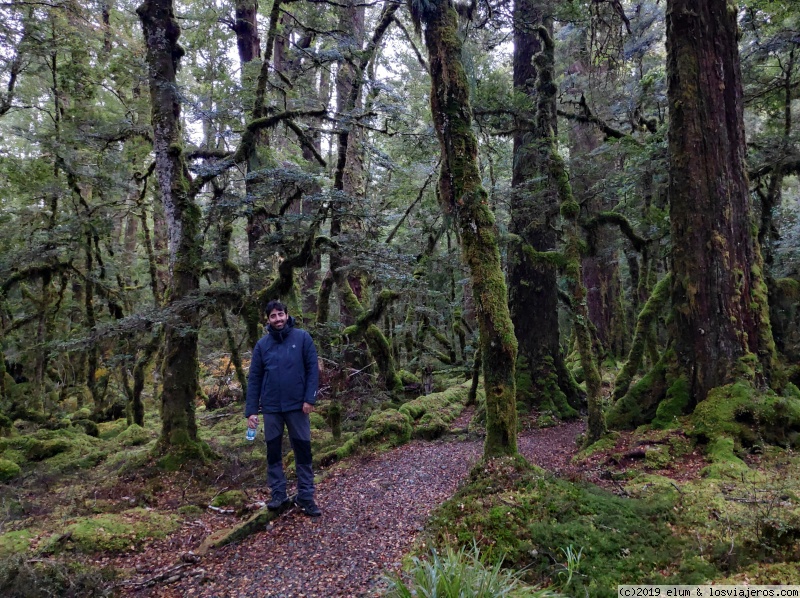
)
(251, 433)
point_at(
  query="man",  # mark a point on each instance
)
(282, 385)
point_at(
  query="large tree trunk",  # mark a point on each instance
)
(161, 31)
(349, 174)
(463, 199)
(534, 208)
(256, 183)
(720, 316)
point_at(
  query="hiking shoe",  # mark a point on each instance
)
(279, 503)
(308, 507)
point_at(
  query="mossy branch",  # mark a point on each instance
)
(32, 272)
(591, 119)
(283, 284)
(247, 145)
(371, 317)
(541, 259)
(306, 142)
(644, 323)
(626, 228)
(545, 259)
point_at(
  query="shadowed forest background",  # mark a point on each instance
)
(494, 218)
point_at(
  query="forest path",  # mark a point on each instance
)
(372, 513)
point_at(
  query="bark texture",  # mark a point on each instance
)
(570, 211)
(180, 385)
(534, 208)
(464, 200)
(720, 317)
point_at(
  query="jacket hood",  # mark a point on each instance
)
(280, 335)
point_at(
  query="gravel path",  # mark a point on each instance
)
(372, 512)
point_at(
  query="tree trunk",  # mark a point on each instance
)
(258, 157)
(464, 200)
(719, 302)
(534, 207)
(570, 211)
(161, 31)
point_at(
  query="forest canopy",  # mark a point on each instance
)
(589, 204)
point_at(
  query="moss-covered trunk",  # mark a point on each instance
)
(720, 318)
(464, 200)
(534, 208)
(644, 325)
(258, 158)
(570, 211)
(179, 367)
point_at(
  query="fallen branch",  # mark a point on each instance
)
(170, 575)
(221, 510)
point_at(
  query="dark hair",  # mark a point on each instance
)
(275, 305)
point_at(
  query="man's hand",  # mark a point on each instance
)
(308, 408)
(252, 421)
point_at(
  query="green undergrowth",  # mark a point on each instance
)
(539, 523)
(21, 577)
(426, 417)
(461, 574)
(739, 523)
(659, 531)
(15, 542)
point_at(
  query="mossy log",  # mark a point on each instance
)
(256, 523)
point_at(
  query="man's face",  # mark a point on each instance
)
(277, 319)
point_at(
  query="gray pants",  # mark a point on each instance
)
(299, 427)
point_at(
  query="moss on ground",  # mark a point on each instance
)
(231, 498)
(388, 426)
(748, 417)
(431, 414)
(606, 443)
(134, 435)
(724, 462)
(8, 470)
(731, 530)
(110, 533)
(532, 519)
(15, 542)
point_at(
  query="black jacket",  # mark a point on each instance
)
(284, 372)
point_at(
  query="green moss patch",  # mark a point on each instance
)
(748, 417)
(389, 425)
(111, 533)
(431, 414)
(15, 542)
(724, 462)
(743, 522)
(133, 435)
(8, 470)
(533, 520)
(230, 498)
(606, 443)
(674, 405)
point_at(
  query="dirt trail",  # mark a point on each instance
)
(372, 513)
